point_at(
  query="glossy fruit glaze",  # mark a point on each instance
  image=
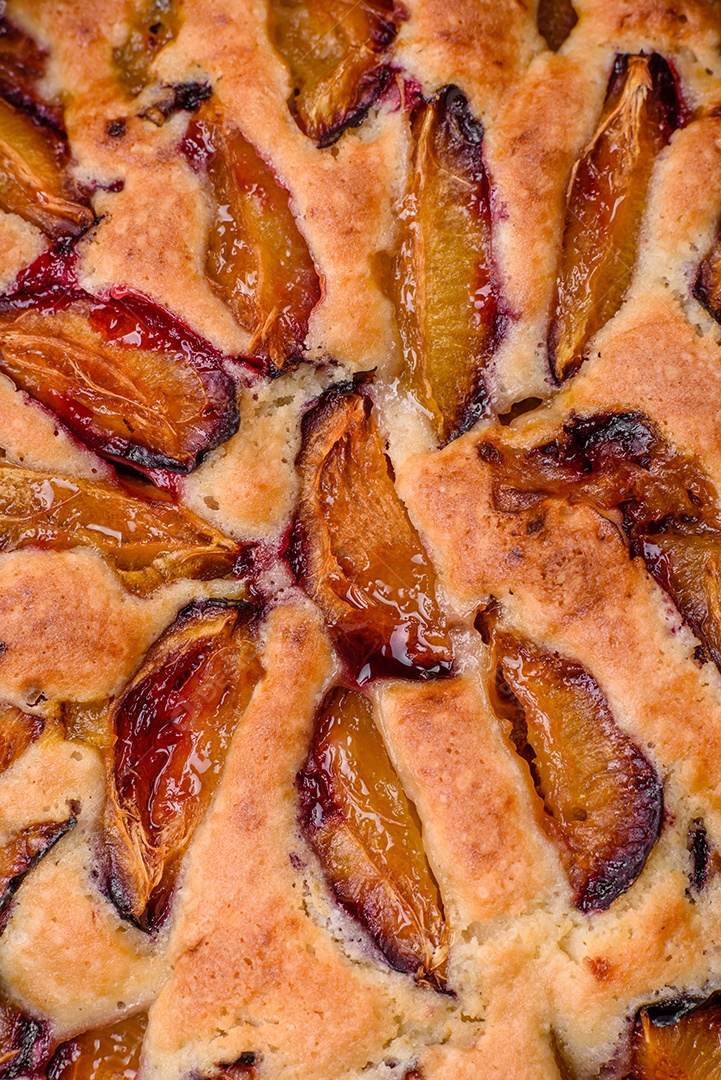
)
(124, 375)
(443, 273)
(173, 726)
(606, 200)
(366, 834)
(356, 552)
(338, 53)
(599, 798)
(258, 262)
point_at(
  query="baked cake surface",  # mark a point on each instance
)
(360, 539)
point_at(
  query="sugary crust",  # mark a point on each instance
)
(20, 243)
(571, 584)
(32, 437)
(65, 952)
(342, 198)
(70, 630)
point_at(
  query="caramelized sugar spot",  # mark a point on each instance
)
(257, 261)
(442, 275)
(599, 798)
(108, 1053)
(21, 852)
(688, 1049)
(124, 376)
(356, 552)
(18, 731)
(338, 54)
(34, 179)
(606, 200)
(147, 542)
(153, 25)
(366, 835)
(173, 726)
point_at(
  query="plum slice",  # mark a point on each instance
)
(442, 275)
(173, 726)
(689, 569)
(18, 731)
(670, 507)
(153, 25)
(257, 261)
(356, 552)
(147, 542)
(129, 380)
(605, 204)
(556, 19)
(107, 1053)
(684, 1044)
(366, 836)
(338, 53)
(24, 1044)
(600, 800)
(22, 66)
(34, 153)
(21, 852)
(707, 287)
(34, 182)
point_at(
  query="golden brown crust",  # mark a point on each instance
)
(257, 956)
(479, 827)
(479, 45)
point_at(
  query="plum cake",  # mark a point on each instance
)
(360, 540)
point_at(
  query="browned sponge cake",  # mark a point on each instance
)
(360, 540)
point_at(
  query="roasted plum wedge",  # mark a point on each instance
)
(109, 1053)
(173, 726)
(605, 204)
(22, 66)
(34, 180)
(124, 376)
(338, 53)
(356, 552)
(599, 799)
(258, 262)
(707, 287)
(670, 507)
(153, 25)
(365, 834)
(18, 731)
(443, 273)
(24, 1044)
(147, 542)
(684, 1044)
(23, 849)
